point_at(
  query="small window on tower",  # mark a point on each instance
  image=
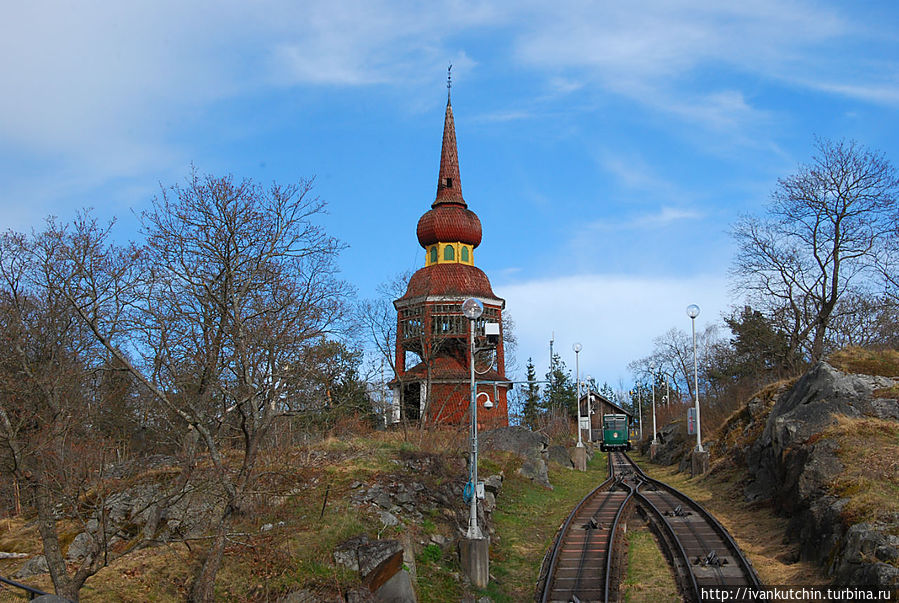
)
(449, 183)
(464, 253)
(449, 254)
(434, 254)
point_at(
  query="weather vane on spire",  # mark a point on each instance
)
(449, 81)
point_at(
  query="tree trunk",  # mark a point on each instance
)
(203, 589)
(818, 342)
(46, 524)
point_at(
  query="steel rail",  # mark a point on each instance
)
(548, 583)
(563, 532)
(745, 565)
(679, 550)
(584, 549)
(609, 551)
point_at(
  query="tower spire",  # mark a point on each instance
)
(449, 183)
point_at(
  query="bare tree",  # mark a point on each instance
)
(888, 261)
(376, 318)
(672, 355)
(52, 372)
(824, 227)
(235, 281)
(865, 320)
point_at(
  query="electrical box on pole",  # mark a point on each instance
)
(691, 421)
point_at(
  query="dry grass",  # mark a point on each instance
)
(884, 363)
(293, 486)
(649, 577)
(887, 392)
(159, 574)
(16, 536)
(869, 450)
(755, 528)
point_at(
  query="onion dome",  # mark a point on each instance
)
(449, 280)
(449, 222)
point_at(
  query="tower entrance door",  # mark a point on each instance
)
(412, 401)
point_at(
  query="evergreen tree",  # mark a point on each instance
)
(607, 392)
(560, 394)
(532, 397)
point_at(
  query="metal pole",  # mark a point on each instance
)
(653, 408)
(474, 532)
(640, 410)
(696, 387)
(589, 414)
(577, 372)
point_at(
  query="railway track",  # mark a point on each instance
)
(585, 561)
(587, 557)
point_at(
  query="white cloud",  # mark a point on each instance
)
(100, 79)
(885, 94)
(96, 93)
(664, 217)
(656, 52)
(615, 317)
(659, 218)
(502, 116)
(631, 170)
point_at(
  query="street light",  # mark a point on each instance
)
(636, 391)
(577, 372)
(588, 384)
(693, 312)
(640, 410)
(472, 309)
(652, 369)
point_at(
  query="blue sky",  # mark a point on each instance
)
(606, 146)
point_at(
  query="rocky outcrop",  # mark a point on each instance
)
(380, 566)
(674, 445)
(520, 440)
(386, 567)
(793, 464)
(786, 463)
(530, 445)
(560, 456)
(33, 567)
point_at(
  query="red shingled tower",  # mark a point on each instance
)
(430, 322)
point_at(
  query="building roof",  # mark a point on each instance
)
(454, 280)
(605, 400)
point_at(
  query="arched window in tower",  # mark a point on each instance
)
(449, 254)
(463, 255)
(434, 254)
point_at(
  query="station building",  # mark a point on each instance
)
(594, 405)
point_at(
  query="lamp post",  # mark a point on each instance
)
(668, 379)
(472, 309)
(693, 312)
(640, 410)
(577, 374)
(587, 384)
(652, 369)
(667, 392)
